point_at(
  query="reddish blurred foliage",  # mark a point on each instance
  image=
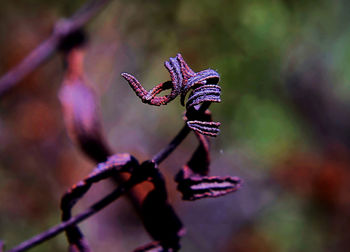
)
(323, 180)
(27, 204)
(249, 240)
(35, 120)
(322, 177)
(66, 174)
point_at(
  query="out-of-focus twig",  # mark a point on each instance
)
(74, 220)
(42, 52)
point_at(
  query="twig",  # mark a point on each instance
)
(43, 52)
(74, 220)
(164, 153)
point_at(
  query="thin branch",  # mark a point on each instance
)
(164, 153)
(47, 48)
(74, 220)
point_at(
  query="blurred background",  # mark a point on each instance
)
(284, 113)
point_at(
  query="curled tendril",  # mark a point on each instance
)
(203, 87)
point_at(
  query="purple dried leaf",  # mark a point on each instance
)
(205, 128)
(205, 77)
(204, 86)
(200, 160)
(194, 188)
(210, 93)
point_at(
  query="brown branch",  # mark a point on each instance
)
(47, 48)
(40, 238)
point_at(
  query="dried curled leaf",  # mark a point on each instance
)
(203, 86)
(205, 93)
(205, 128)
(200, 160)
(194, 188)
